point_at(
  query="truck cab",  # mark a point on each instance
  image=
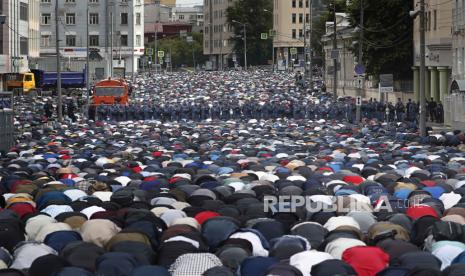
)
(111, 91)
(22, 81)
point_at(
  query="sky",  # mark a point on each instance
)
(189, 2)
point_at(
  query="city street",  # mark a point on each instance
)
(182, 188)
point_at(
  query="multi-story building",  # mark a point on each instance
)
(169, 3)
(439, 50)
(116, 36)
(189, 15)
(155, 15)
(346, 60)
(156, 12)
(19, 35)
(217, 34)
(289, 19)
(458, 40)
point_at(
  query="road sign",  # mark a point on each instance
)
(264, 36)
(359, 69)
(386, 83)
(293, 51)
(149, 51)
(161, 54)
(358, 101)
(190, 39)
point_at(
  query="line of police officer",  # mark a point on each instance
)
(343, 110)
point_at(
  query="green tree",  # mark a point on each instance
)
(388, 36)
(181, 50)
(258, 17)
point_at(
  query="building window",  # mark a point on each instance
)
(307, 18)
(294, 18)
(301, 34)
(93, 1)
(23, 11)
(45, 1)
(93, 19)
(293, 3)
(138, 18)
(301, 18)
(45, 40)
(181, 17)
(71, 40)
(429, 21)
(45, 19)
(23, 46)
(70, 19)
(301, 3)
(70, 1)
(124, 18)
(93, 40)
(294, 34)
(435, 20)
(138, 40)
(124, 40)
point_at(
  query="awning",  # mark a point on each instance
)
(457, 86)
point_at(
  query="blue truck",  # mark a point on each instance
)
(70, 81)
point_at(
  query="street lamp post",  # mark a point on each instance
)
(414, 14)
(335, 58)
(422, 70)
(57, 47)
(245, 42)
(87, 61)
(272, 41)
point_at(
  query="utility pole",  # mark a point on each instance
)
(305, 48)
(87, 60)
(245, 47)
(360, 61)
(335, 56)
(221, 48)
(422, 70)
(310, 65)
(111, 43)
(57, 45)
(133, 6)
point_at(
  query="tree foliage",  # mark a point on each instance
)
(388, 36)
(258, 17)
(181, 50)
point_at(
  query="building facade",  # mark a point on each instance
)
(116, 36)
(346, 60)
(156, 12)
(441, 57)
(217, 34)
(19, 35)
(189, 15)
(289, 19)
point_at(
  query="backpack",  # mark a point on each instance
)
(446, 230)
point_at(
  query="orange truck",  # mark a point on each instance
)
(111, 91)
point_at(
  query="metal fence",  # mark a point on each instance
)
(7, 131)
(454, 111)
